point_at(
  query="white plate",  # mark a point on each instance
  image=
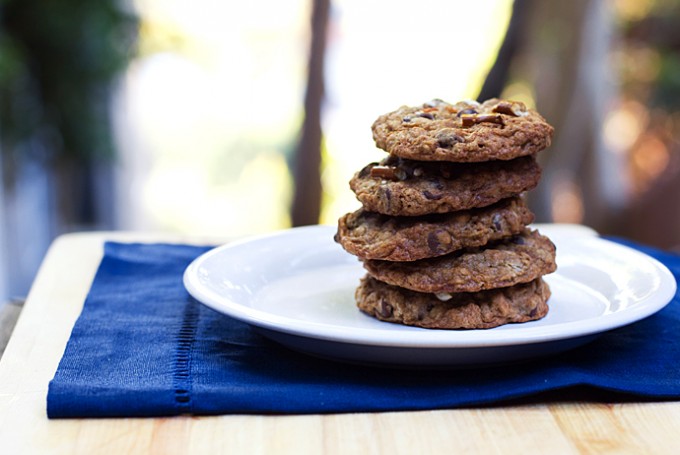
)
(297, 287)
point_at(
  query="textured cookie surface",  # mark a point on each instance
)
(370, 235)
(397, 186)
(462, 132)
(520, 259)
(477, 310)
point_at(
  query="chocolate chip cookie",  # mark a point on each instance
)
(519, 259)
(404, 187)
(370, 235)
(477, 310)
(463, 132)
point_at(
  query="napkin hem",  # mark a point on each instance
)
(182, 378)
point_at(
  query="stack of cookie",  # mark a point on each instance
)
(443, 228)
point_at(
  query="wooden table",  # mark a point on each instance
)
(56, 299)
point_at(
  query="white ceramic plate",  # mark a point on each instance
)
(297, 287)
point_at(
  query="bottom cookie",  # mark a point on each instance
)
(466, 310)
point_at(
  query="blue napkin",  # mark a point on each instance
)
(143, 347)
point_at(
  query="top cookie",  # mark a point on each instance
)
(463, 132)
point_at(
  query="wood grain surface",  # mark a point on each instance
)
(56, 299)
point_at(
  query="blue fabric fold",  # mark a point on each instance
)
(143, 347)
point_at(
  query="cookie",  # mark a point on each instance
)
(463, 132)
(477, 310)
(519, 259)
(370, 235)
(398, 186)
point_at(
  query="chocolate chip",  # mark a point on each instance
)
(533, 312)
(438, 241)
(432, 197)
(497, 222)
(426, 115)
(433, 242)
(388, 198)
(447, 139)
(366, 171)
(468, 111)
(407, 171)
(424, 311)
(406, 119)
(392, 160)
(385, 309)
(448, 142)
(518, 240)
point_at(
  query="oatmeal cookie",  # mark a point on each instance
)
(477, 310)
(370, 235)
(463, 132)
(398, 186)
(519, 259)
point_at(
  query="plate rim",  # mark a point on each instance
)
(428, 338)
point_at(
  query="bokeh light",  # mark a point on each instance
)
(210, 111)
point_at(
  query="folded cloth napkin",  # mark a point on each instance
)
(143, 347)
